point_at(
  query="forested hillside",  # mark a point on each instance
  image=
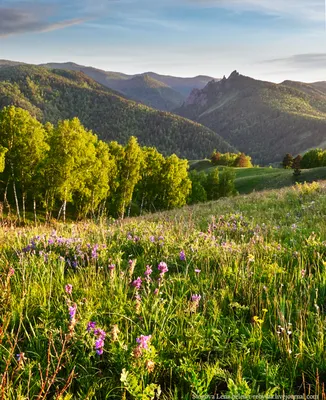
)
(262, 119)
(53, 95)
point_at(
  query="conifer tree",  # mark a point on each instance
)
(287, 161)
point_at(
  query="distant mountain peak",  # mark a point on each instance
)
(234, 74)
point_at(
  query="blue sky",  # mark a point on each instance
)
(267, 39)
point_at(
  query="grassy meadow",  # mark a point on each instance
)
(263, 178)
(225, 298)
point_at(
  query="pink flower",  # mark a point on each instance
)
(148, 271)
(137, 283)
(68, 288)
(162, 267)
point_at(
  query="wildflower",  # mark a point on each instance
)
(182, 256)
(91, 326)
(163, 268)
(196, 297)
(100, 333)
(11, 271)
(94, 251)
(197, 270)
(111, 267)
(152, 239)
(144, 341)
(148, 271)
(303, 273)
(114, 333)
(72, 311)
(68, 288)
(137, 283)
(156, 291)
(150, 365)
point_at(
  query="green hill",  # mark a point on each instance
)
(151, 92)
(51, 95)
(257, 179)
(263, 119)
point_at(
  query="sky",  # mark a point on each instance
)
(267, 39)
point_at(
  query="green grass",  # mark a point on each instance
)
(258, 328)
(262, 178)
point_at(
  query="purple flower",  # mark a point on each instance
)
(148, 271)
(11, 271)
(152, 239)
(143, 341)
(182, 256)
(99, 352)
(91, 326)
(197, 270)
(196, 297)
(50, 241)
(94, 251)
(137, 283)
(99, 343)
(156, 291)
(68, 288)
(100, 333)
(72, 311)
(111, 267)
(162, 267)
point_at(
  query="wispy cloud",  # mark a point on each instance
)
(15, 21)
(304, 9)
(301, 61)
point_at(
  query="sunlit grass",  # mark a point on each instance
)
(242, 314)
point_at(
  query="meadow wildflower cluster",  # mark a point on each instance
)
(224, 298)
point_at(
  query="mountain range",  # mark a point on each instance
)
(263, 119)
(52, 95)
(162, 92)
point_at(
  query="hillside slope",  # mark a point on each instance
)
(51, 95)
(263, 119)
(170, 94)
(151, 92)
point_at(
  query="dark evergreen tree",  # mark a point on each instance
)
(287, 161)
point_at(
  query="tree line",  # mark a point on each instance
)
(313, 158)
(65, 168)
(236, 160)
(53, 167)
